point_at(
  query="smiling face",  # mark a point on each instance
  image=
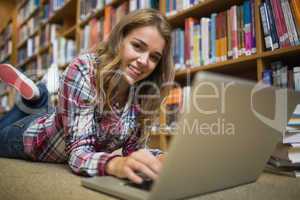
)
(141, 52)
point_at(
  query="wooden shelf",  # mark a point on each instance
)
(21, 4)
(5, 25)
(70, 33)
(22, 44)
(278, 53)
(94, 14)
(242, 62)
(28, 60)
(98, 13)
(25, 40)
(29, 17)
(200, 10)
(44, 49)
(69, 10)
(64, 66)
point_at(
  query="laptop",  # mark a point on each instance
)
(225, 136)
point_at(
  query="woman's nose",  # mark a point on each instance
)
(143, 58)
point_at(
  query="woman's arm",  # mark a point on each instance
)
(77, 107)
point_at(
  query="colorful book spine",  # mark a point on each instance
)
(234, 32)
(287, 22)
(292, 22)
(266, 27)
(229, 32)
(273, 29)
(295, 7)
(247, 27)
(280, 24)
(253, 33)
(224, 37)
(213, 38)
(205, 40)
(196, 45)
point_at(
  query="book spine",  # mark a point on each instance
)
(265, 25)
(196, 49)
(283, 24)
(205, 40)
(287, 22)
(292, 23)
(181, 48)
(297, 78)
(242, 32)
(213, 38)
(247, 27)
(229, 32)
(267, 76)
(234, 37)
(175, 48)
(218, 37)
(295, 7)
(253, 34)
(189, 40)
(277, 23)
(273, 28)
(224, 37)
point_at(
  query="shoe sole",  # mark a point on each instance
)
(10, 76)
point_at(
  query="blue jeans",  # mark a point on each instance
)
(14, 123)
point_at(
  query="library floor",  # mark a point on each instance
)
(22, 180)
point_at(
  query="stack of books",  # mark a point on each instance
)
(286, 157)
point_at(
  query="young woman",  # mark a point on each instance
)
(104, 97)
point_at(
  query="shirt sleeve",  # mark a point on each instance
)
(77, 106)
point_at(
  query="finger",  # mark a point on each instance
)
(148, 159)
(144, 169)
(131, 175)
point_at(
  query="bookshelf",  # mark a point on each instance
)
(71, 17)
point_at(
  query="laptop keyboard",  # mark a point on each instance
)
(145, 185)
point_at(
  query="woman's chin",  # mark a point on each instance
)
(130, 80)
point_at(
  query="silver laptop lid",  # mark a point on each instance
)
(223, 137)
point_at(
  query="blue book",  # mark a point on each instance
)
(181, 47)
(267, 76)
(213, 38)
(168, 7)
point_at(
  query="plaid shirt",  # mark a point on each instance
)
(76, 131)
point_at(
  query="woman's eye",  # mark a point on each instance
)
(137, 46)
(154, 59)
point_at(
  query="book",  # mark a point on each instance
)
(213, 38)
(287, 22)
(284, 172)
(288, 152)
(266, 27)
(273, 30)
(297, 78)
(280, 23)
(205, 40)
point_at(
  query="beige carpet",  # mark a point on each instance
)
(23, 180)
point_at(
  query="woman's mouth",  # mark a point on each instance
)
(134, 72)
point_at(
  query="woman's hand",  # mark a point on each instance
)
(141, 161)
(161, 157)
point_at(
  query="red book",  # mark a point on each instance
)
(188, 39)
(280, 24)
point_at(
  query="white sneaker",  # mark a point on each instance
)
(19, 81)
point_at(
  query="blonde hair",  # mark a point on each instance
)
(108, 54)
